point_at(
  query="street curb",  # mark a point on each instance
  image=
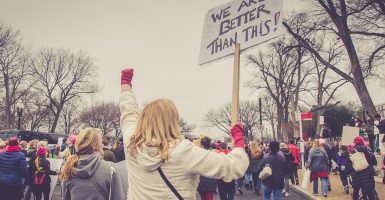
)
(305, 194)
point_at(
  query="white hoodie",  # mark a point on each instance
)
(185, 164)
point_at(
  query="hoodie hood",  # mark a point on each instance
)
(149, 159)
(87, 165)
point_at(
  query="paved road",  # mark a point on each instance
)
(249, 195)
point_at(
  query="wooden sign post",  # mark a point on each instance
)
(235, 100)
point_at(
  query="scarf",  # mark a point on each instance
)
(12, 149)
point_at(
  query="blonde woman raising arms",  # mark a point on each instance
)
(155, 147)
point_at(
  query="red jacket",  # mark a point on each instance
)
(295, 152)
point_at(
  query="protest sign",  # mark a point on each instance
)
(244, 22)
(348, 134)
(55, 165)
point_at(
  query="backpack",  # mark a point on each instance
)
(40, 174)
(359, 161)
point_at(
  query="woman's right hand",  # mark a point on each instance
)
(126, 76)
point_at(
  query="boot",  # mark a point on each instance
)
(296, 181)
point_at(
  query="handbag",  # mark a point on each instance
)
(359, 161)
(266, 171)
(172, 188)
(306, 179)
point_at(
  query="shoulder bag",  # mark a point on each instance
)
(359, 161)
(266, 171)
(172, 188)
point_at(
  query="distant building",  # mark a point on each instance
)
(381, 109)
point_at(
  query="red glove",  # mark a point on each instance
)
(126, 77)
(237, 134)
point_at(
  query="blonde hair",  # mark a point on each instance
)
(255, 150)
(158, 126)
(33, 144)
(316, 144)
(88, 141)
(42, 144)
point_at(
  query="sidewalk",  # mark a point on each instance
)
(337, 189)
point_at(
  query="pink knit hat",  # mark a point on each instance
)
(72, 139)
(23, 143)
(41, 151)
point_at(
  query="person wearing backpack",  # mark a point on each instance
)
(289, 161)
(363, 175)
(273, 184)
(87, 176)
(344, 166)
(41, 177)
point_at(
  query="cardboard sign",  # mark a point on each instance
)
(348, 134)
(55, 165)
(307, 116)
(244, 22)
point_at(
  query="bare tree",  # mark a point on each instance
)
(248, 115)
(102, 116)
(269, 111)
(279, 72)
(185, 127)
(14, 69)
(69, 122)
(351, 24)
(61, 76)
(36, 111)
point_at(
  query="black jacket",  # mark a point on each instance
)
(207, 184)
(31, 156)
(365, 178)
(289, 159)
(279, 167)
(381, 126)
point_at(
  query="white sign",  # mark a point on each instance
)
(321, 120)
(348, 134)
(55, 165)
(244, 22)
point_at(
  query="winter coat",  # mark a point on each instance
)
(364, 178)
(13, 168)
(254, 163)
(344, 164)
(289, 160)
(119, 153)
(108, 155)
(306, 153)
(296, 153)
(92, 180)
(44, 173)
(318, 160)
(279, 167)
(185, 163)
(31, 156)
(207, 184)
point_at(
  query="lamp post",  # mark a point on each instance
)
(19, 110)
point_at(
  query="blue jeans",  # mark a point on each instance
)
(344, 178)
(324, 185)
(277, 193)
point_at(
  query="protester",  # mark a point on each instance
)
(207, 186)
(318, 163)
(24, 145)
(156, 147)
(308, 146)
(364, 179)
(87, 171)
(380, 124)
(108, 155)
(13, 168)
(56, 152)
(70, 150)
(42, 179)
(289, 160)
(274, 184)
(31, 156)
(119, 151)
(256, 153)
(329, 153)
(2, 146)
(226, 190)
(344, 166)
(296, 162)
(248, 177)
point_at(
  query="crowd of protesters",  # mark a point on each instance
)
(162, 164)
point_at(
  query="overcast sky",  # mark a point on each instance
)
(160, 39)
